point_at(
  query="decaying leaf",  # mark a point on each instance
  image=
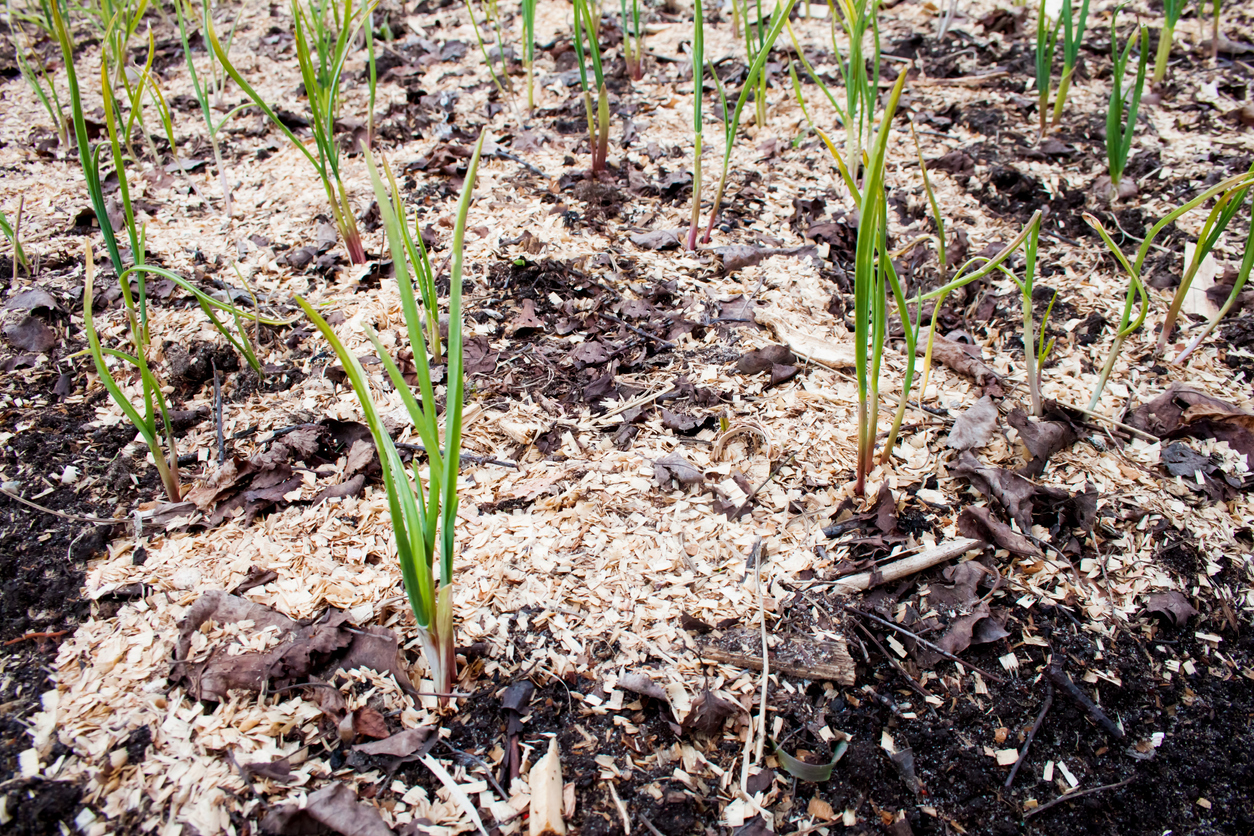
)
(1181, 411)
(660, 239)
(1008, 489)
(1043, 438)
(333, 808)
(1172, 606)
(763, 359)
(979, 627)
(974, 427)
(709, 712)
(319, 649)
(31, 334)
(675, 467)
(955, 356)
(979, 522)
(403, 744)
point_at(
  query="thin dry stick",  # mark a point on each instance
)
(932, 647)
(1072, 796)
(766, 674)
(1040, 718)
(61, 514)
(914, 684)
(1063, 682)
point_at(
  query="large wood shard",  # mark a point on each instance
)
(546, 794)
(818, 661)
(907, 566)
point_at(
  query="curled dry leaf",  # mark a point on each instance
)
(1043, 438)
(1181, 411)
(979, 522)
(977, 628)
(403, 744)
(955, 356)
(763, 359)
(676, 467)
(1009, 490)
(319, 649)
(974, 427)
(1172, 606)
(709, 712)
(333, 808)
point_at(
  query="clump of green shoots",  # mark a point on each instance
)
(861, 87)
(1172, 9)
(1046, 42)
(731, 125)
(529, 50)
(207, 88)
(14, 233)
(1243, 275)
(493, 19)
(1217, 220)
(633, 39)
(423, 517)
(873, 274)
(698, 81)
(599, 113)
(1072, 35)
(1048, 29)
(1035, 351)
(154, 420)
(321, 66)
(1137, 296)
(1121, 117)
(89, 158)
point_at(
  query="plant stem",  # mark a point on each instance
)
(1164, 52)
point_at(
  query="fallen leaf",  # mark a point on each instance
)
(319, 649)
(974, 427)
(31, 334)
(709, 712)
(525, 321)
(400, 745)
(961, 631)
(335, 807)
(1008, 489)
(1043, 438)
(956, 357)
(977, 521)
(660, 239)
(678, 468)
(763, 359)
(1184, 412)
(369, 723)
(1172, 606)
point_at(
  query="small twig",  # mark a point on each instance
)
(1060, 679)
(932, 647)
(648, 825)
(1023, 752)
(1107, 419)
(1072, 796)
(640, 331)
(482, 765)
(747, 760)
(465, 458)
(914, 684)
(774, 472)
(217, 413)
(61, 514)
(29, 636)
